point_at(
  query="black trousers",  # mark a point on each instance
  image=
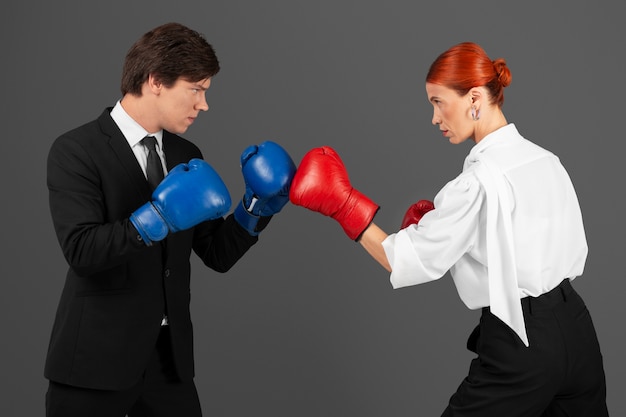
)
(559, 375)
(160, 393)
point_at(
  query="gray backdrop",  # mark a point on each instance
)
(307, 324)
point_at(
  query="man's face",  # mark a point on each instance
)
(179, 105)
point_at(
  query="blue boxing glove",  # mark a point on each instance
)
(267, 172)
(190, 194)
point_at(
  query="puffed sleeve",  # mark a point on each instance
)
(425, 252)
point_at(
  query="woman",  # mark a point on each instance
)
(510, 231)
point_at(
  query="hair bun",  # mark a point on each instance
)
(503, 72)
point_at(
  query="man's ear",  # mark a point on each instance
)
(154, 84)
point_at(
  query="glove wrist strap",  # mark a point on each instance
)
(357, 214)
(253, 224)
(149, 224)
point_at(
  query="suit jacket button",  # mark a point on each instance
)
(167, 273)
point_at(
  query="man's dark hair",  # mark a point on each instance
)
(168, 52)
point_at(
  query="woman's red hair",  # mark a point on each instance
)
(465, 66)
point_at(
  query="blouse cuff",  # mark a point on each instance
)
(407, 269)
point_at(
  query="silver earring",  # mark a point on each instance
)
(475, 113)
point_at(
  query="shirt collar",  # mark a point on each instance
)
(499, 137)
(132, 131)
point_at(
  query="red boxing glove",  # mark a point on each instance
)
(415, 213)
(321, 184)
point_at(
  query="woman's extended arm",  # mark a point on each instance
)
(372, 240)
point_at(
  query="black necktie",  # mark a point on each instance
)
(154, 169)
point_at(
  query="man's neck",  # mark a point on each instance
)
(137, 107)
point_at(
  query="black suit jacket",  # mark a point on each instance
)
(117, 288)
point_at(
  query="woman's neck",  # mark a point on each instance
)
(489, 123)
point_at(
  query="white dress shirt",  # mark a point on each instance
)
(134, 133)
(509, 226)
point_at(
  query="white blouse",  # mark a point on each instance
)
(509, 226)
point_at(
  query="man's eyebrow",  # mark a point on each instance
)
(200, 86)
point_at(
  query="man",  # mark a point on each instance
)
(122, 343)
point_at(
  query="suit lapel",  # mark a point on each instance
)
(173, 153)
(124, 153)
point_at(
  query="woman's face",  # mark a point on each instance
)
(451, 112)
